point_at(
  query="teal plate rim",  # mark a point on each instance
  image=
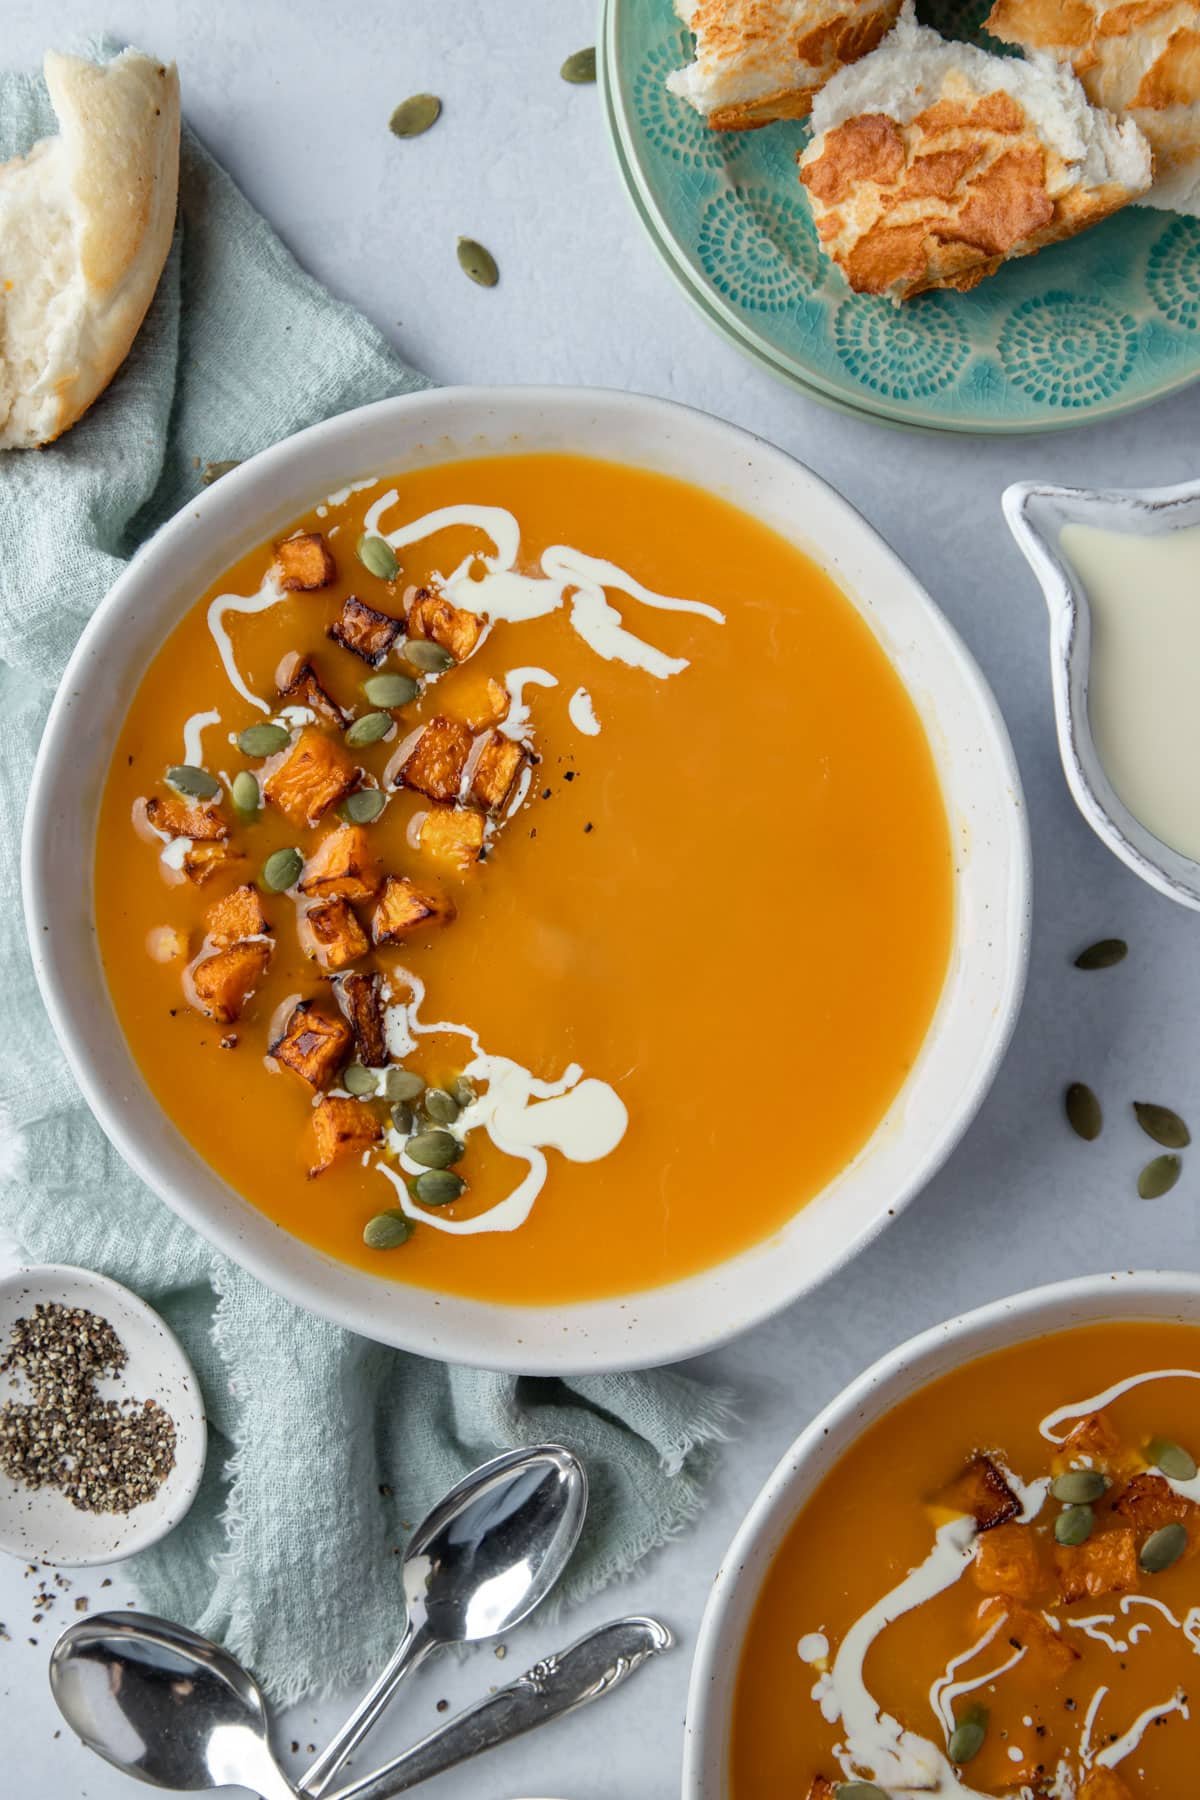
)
(1080, 334)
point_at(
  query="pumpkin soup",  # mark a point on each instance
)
(525, 877)
(995, 1592)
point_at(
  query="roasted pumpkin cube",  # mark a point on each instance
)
(297, 683)
(304, 562)
(433, 616)
(223, 982)
(1149, 1503)
(478, 700)
(361, 1001)
(435, 764)
(341, 1129)
(238, 915)
(1093, 1444)
(335, 935)
(452, 835)
(1106, 1564)
(820, 1788)
(176, 819)
(404, 908)
(365, 632)
(342, 864)
(314, 1044)
(497, 766)
(1104, 1784)
(981, 1491)
(1048, 1654)
(310, 778)
(1007, 1562)
(202, 861)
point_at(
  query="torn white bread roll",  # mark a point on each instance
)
(85, 225)
(932, 163)
(1136, 57)
(760, 60)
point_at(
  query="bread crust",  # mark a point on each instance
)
(118, 157)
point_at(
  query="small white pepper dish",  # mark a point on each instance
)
(1037, 515)
(41, 1524)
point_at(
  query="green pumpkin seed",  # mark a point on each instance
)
(1162, 1548)
(440, 1107)
(1074, 1525)
(363, 805)
(430, 658)
(1163, 1125)
(387, 1230)
(1083, 1111)
(369, 729)
(377, 557)
(1172, 1459)
(213, 471)
(415, 115)
(1158, 1177)
(403, 1084)
(391, 690)
(282, 870)
(580, 68)
(966, 1740)
(859, 1790)
(358, 1080)
(462, 1091)
(477, 262)
(197, 784)
(403, 1118)
(1078, 1487)
(1103, 955)
(437, 1187)
(247, 799)
(434, 1149)
(263, 740)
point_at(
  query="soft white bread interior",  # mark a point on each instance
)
(932, 163)
(85, 226)
(760, 60)
(1140, 57)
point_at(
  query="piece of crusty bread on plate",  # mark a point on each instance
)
(85, 225)
(1136, 57)
(760, 60)
(932, 163)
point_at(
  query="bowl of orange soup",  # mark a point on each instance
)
(529, 874)
(977, 1573)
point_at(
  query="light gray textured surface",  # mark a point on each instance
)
(295, 98)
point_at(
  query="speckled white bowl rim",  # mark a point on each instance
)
(978, 1006)
(1036, 513)
(56, 1532)
(1033, 1313)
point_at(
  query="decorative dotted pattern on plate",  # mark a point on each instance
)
(759, 248)
(669, 124)
(907, 354)
(1173, 274)
(1067, 349)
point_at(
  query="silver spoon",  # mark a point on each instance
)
(476, 1566)
(158, 1700)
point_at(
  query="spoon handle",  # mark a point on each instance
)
(414, 1647)
(588, 1669)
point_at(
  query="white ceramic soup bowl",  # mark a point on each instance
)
(1029, 1315)
(974, 759)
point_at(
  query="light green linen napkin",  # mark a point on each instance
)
(324, 1446)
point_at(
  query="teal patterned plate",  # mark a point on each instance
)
(1081, 332)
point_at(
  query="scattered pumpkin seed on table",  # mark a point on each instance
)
(391, 690)
(363, 805)
(427, 656)
(1158, 1177)
(369, 728)
(580, 68)
(1163, 1125)
(195, 784)
(1105, 954)
(263, 740)
(1172, 1459)
(213, 471)
(282, 870)
(415, 115)
(377, 557)
(1083, 1111)
(477, 262)
(387, 1230)
(247, 799)
(1162, 1548)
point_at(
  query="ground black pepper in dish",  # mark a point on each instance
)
(104, 1455)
